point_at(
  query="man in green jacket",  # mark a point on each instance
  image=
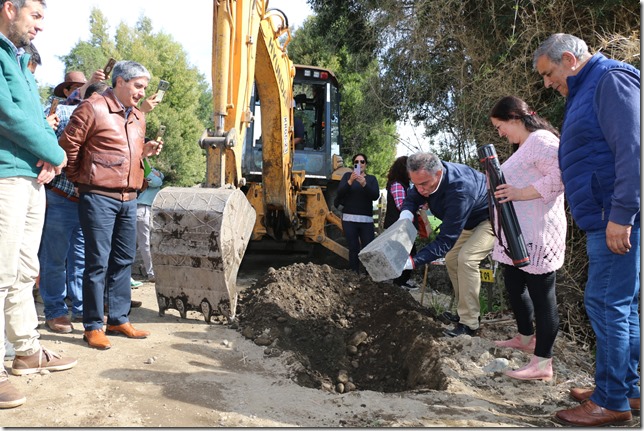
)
(29, 158)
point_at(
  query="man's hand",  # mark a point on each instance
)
(618, 238)
(152, 148)
(53, 121)
(406, 214)
(150, 103)
(47, 173)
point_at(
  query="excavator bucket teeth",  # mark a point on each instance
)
(199, 237)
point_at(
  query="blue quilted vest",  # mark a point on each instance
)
(587, 164)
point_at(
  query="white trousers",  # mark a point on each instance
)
(22, 213)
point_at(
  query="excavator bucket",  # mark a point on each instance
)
(198, 239)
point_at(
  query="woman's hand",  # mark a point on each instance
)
(506, 193)
(359, 177)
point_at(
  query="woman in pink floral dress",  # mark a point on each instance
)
(533, 184)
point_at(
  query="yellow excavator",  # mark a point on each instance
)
(200, 234)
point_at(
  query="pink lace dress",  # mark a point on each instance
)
(542, 220)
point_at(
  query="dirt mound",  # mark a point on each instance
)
(346, 331)
(343, 333)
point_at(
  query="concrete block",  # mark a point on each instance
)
(385, 257)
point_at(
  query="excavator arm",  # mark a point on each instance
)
(247, 50)
(199, 235)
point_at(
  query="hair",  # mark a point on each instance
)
(96, 87)
(35, 56)
(424, 161)
(398, 172)
(127, 70)
(19, 4)
(555, 46)
(353, 159)
(513, 108)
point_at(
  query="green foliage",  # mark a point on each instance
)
(446, 62)
(186, 107)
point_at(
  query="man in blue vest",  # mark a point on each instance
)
(599, 157)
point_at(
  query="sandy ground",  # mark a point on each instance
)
(192, 374)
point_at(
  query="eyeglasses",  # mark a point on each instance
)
(362, 162)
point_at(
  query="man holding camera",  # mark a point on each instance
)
(104, 141)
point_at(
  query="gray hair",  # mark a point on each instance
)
(19, 4)
(127, 70)
(558, 43)
(424, 161)
(35, 56)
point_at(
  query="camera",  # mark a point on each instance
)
(162, 88)
(108, 67)
(508, 223)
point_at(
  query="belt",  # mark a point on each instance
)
(59, 192)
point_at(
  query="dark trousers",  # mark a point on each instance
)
(532, 296)
(109, 228)
(358, 235)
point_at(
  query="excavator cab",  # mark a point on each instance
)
(317, 109)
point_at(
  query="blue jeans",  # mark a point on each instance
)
(611, 300)
(62, 258)
(358, 235)
(109, 228)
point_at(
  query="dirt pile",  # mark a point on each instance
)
(346, 331)
(343, 333)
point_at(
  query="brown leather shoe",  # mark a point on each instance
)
(589, 414)
(97, 339)
(582, 394)
(128, 330)
(61, 325)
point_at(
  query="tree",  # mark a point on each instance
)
(448, 61)
(186, 107)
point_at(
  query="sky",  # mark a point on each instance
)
(190, 24)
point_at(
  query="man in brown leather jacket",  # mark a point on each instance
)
(105, 145)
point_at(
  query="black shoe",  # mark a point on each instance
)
(448, 317)
(135, 304)
(460, 329)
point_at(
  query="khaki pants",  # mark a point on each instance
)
(22, 213)
(462, 263)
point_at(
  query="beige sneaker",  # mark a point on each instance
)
(9, 395)
(41, 360)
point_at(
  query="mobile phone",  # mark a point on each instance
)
(108, 67)
(163, 87)
(54, 105)
(356, 168)
(160, 133)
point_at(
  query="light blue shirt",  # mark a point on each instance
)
(154, 185)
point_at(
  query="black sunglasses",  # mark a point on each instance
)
(360, 161)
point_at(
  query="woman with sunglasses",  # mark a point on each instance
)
(356, 192)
